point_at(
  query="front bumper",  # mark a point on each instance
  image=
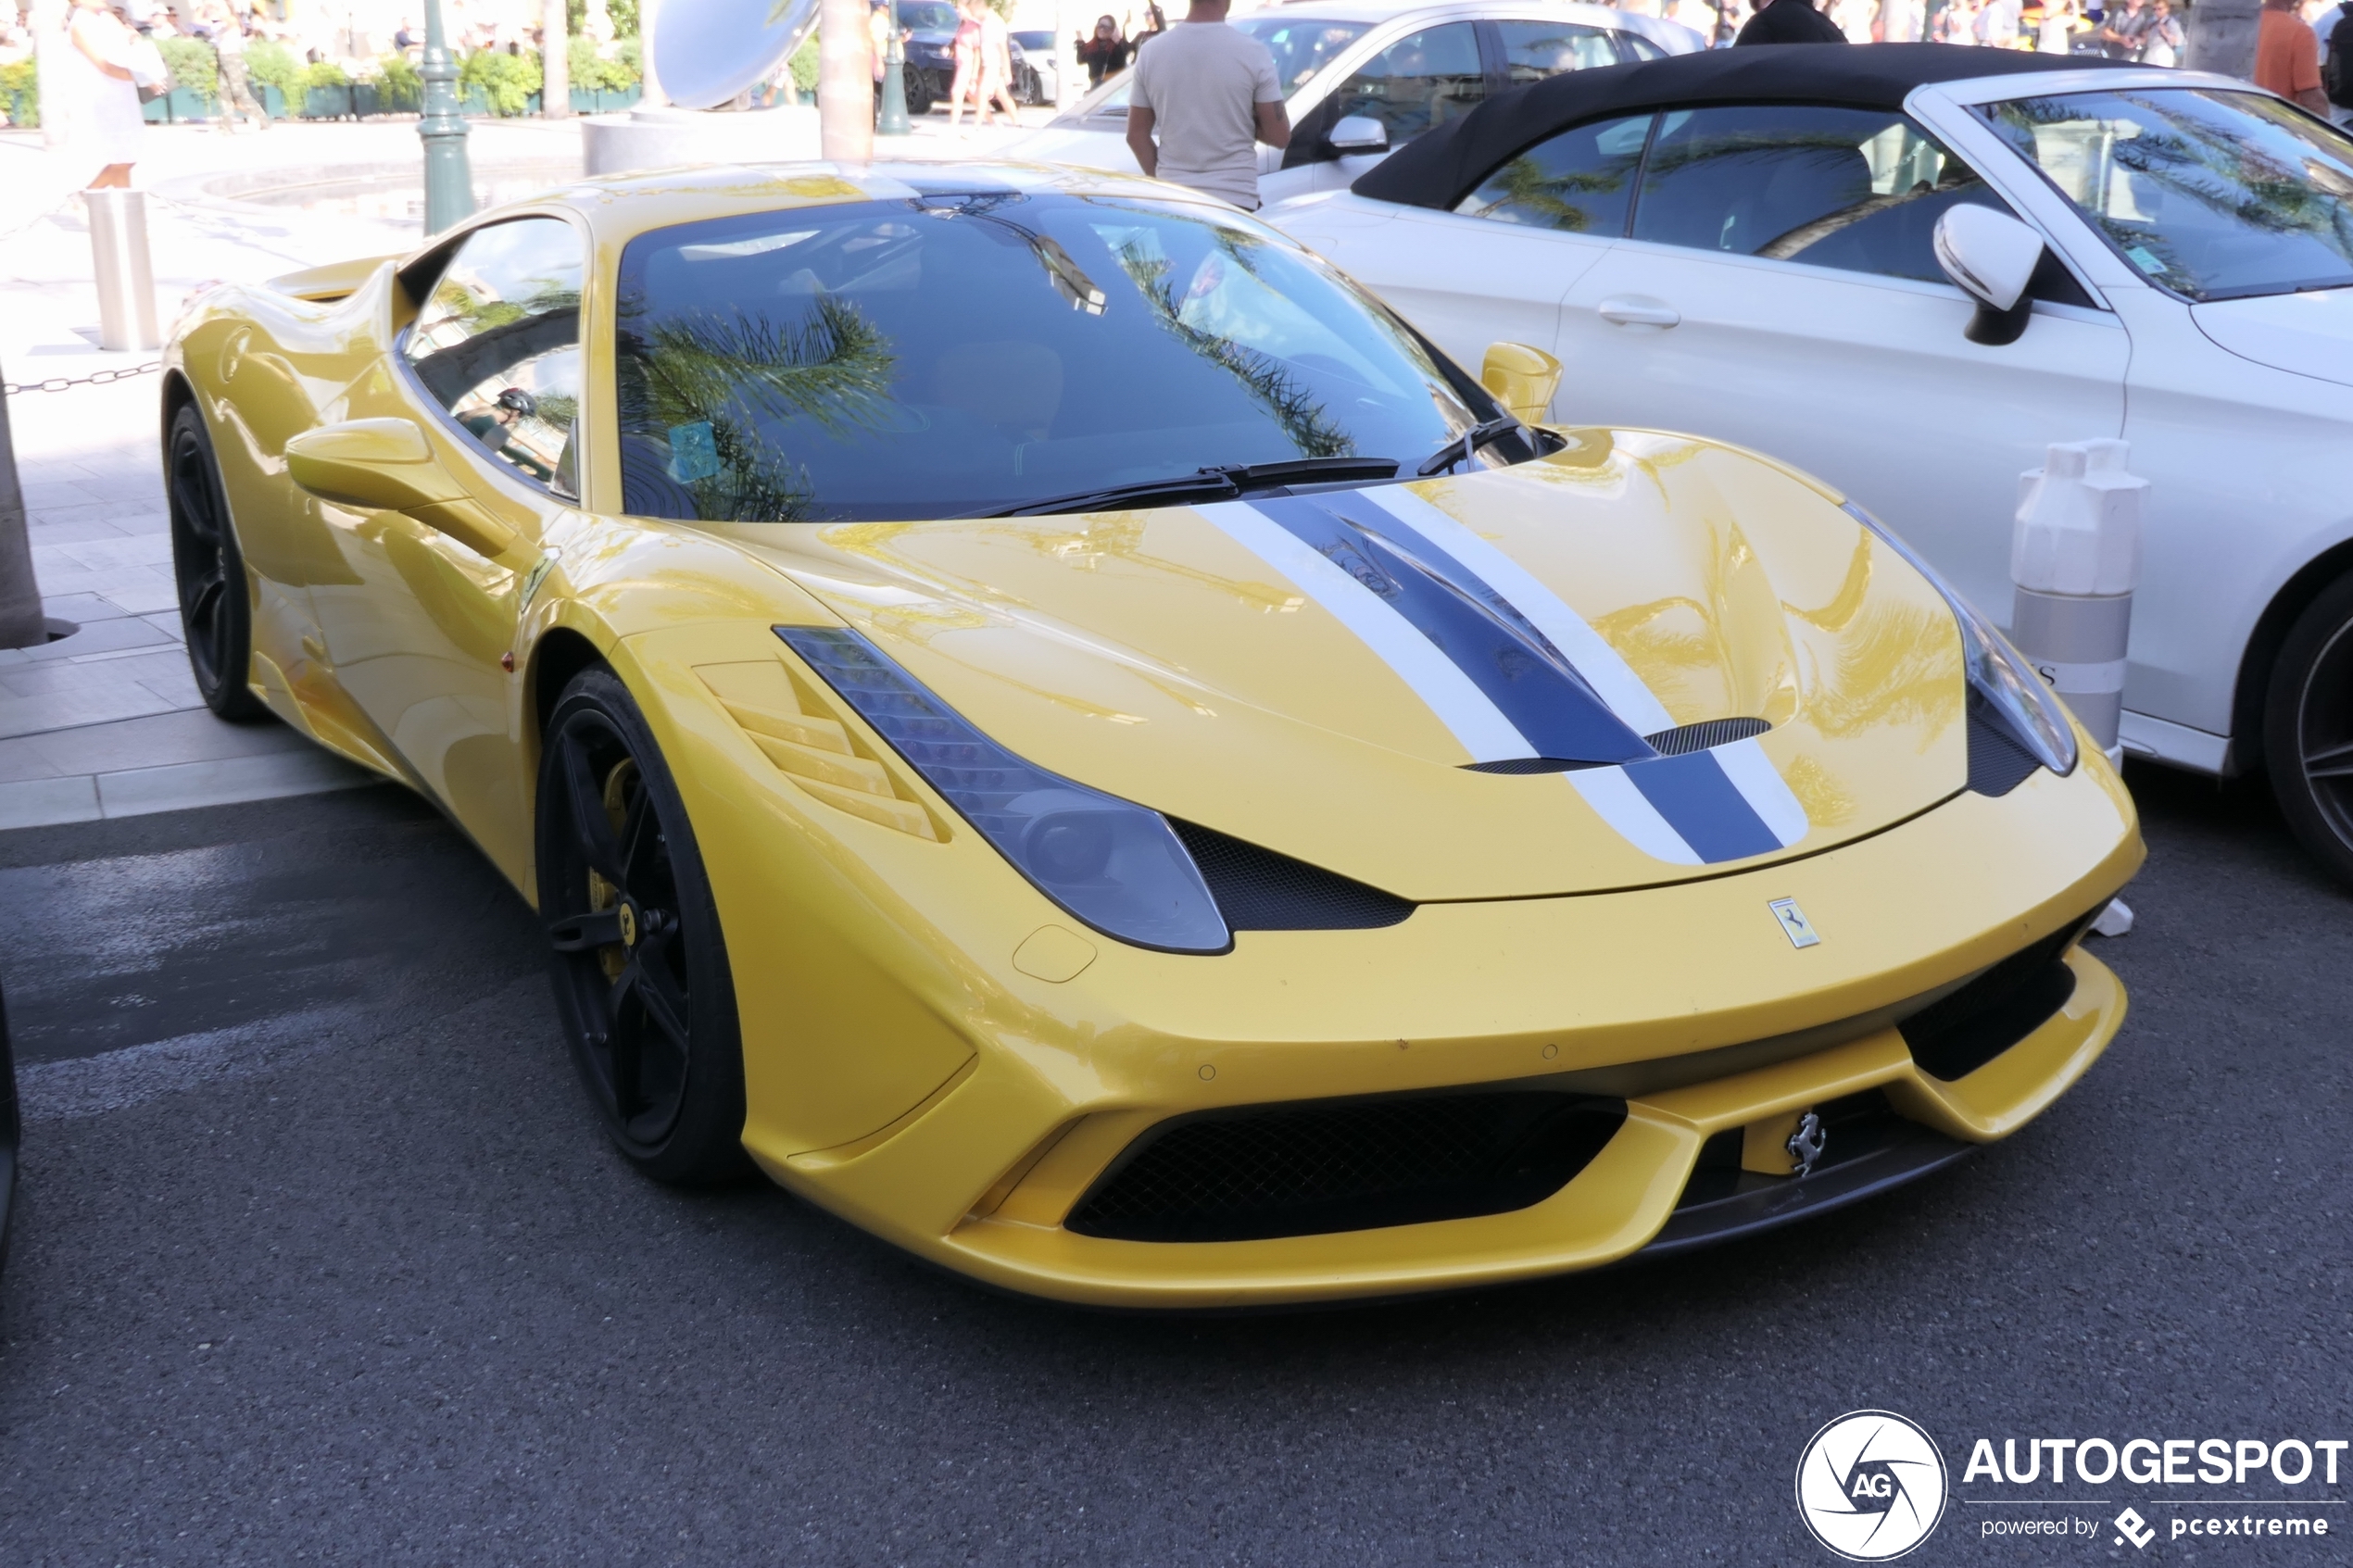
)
(1633, 994)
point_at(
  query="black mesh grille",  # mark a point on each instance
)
(1706, 733)
(1997, 763)
(1259, 890)
(1666, 742)
(1953, 1036)
(1345, 1165)
(1531, 765)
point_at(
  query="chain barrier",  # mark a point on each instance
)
(96, 378)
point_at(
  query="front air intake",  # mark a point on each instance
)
(1259, 890)
(1954, 1036)
(1318, 1167)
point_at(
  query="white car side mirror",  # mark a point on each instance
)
(1359, 133)
(1991, 257)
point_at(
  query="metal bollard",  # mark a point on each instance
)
(2075, 559)
(126, 277)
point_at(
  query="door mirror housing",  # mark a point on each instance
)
(1358, 133)
(1991, 257)
(388, 465)
(1522, 379)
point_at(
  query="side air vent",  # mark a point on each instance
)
(1666, 742)
(1997, 763)
(1258, 890)
(1315, 1168)
(1954, 1036)
(813, 747)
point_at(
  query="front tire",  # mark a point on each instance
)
(2308, 728)
(639, 963)
(216, 607)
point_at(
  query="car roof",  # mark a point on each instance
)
(617, 207)
(1435, 169)
(1371, 12)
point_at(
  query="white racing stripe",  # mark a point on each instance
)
(1449, 693)
(1623, 807)
(1744, 762)
(1611, 677)
(1467, 711)
(1765, 791)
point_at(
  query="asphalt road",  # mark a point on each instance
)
(322, 1258)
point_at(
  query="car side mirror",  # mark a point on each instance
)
(1522, 379)
(388, 465)
(1358, 133)
(1991, 257)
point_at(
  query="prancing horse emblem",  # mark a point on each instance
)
(1806, 1145)
(1795, 925)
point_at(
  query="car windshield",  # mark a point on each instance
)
(929, 16)
(1302, 45)
(2215, 195)
(975, 351)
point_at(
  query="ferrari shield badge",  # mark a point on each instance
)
(1795, 925)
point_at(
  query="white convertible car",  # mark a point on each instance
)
(1363, 77)
(1741, 244)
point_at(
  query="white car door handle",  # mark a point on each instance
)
(1639, 310)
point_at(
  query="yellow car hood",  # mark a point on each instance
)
(1247, 666)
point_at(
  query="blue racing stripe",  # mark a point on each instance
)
(1511, 663)
(1699, 802)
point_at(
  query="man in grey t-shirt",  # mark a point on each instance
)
(1210, 90)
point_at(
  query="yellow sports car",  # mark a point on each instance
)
(1045, 719)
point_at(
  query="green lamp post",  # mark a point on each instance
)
(449, 180)
(893, 120)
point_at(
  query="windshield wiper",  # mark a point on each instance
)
(1221, 482)
(1458, 451)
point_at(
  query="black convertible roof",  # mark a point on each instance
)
(1437, 168)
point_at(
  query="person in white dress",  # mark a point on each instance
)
(88, 96)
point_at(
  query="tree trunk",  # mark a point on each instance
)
(555, 91)
(844, 82)
(20, 621)
(2222, 37)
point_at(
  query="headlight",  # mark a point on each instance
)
(2015, 698)
(1112, 863)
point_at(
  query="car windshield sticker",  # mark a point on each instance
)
(1513, 672)
(693, 453)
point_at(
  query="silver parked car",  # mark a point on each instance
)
(1368, 76)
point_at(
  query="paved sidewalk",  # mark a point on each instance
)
(105, 721)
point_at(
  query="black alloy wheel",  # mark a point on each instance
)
(2308, 728)
(639, 964)
(216, 607)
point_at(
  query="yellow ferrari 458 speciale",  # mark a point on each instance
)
(1042, 717)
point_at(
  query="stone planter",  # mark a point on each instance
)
(326, 102)
(182, 105)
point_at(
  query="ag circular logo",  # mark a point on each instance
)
(1871, 1485)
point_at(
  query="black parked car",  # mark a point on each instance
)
(931, 51)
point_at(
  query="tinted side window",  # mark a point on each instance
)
(497, 343)
(1581, 181)
(1858, 189)
(1634, 46)
(1425, 78)
(1534, 50)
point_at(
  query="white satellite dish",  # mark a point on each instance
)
(707, 51)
